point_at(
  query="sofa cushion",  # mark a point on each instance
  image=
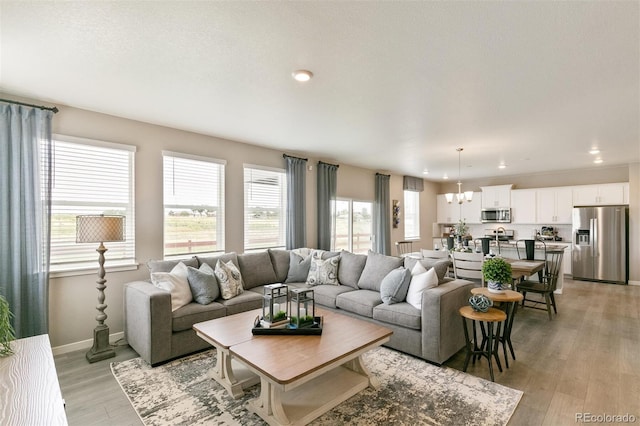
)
(229, 279)
(402, 314)
(375, 269)
(394, 286)
(440, 265)
(420, 282)
(192, 313)
(243, 302)
(176, 283)
(298, 268)
(203, 284)
(359, 302)
(324, 271)
(168, 265)
(280, 262)
(256, 269)
(224, 257)
(326, 295)
(351, 266)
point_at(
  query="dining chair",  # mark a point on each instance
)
(434, 254)
(526, 249)
(468, 266)
(546, 286)
(403, 248)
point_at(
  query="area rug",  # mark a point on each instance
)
(411, 392)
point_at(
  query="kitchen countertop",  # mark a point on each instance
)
(554, 245)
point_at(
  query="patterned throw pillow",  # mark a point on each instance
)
(229, 279)
(323, 271)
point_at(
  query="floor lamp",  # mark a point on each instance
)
(100, 229)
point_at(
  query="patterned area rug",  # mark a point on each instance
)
(412, 392)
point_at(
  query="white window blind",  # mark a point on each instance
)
(265, 205)
(90, 177)
(193, 204)
(411, 215)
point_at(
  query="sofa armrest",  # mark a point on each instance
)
(148, 321)
(442, 332)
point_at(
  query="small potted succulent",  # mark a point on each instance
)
(497, 274)
(6, 330)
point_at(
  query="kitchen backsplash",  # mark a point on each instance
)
(521, 231)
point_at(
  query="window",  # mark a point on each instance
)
(90, 177)
(411, 215)
(193, 204)
(353, 226)
(265, 206)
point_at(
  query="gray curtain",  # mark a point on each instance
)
(25, 207)
(410, 183)
(296, 200)
(327, 184)
(382, 216)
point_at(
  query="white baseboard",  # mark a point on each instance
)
(83, 344)
(634, 282)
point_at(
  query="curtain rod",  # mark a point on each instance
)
(291, 156)
(328, 164)
(382, 174)
(54, 109)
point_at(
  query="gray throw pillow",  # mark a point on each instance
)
(375, 269)
(351, 266)
(298, 268)
(395, 285)
(203, 283)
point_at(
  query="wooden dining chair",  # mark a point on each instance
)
(403, 248)
(468, 266)
(546, 286)
(521, 249)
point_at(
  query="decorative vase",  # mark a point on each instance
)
(495, 287)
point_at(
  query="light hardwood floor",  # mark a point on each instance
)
(587, 360)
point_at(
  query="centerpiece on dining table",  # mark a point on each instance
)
(497, 274)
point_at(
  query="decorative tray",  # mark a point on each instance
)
(289, 330)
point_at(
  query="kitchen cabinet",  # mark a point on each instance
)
(471, 210)
(445, 212)
(566, 260)
(554, 205)
(498, 196)
(523, 206)
(602, 194)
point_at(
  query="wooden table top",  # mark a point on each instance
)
(285, 359)
(505, 296)
(230, 330)
(492, 315)
(524, 268)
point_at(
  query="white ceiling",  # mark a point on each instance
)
(398, 86)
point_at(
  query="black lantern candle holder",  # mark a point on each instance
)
(275, 306)
(303, 307)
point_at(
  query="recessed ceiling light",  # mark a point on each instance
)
(445, 177)
(594, 151)
(597, 160)
(302, 75)
(502, 166)
(425, 172)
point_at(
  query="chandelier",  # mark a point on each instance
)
(460, 196)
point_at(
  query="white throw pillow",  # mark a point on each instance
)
(176, 283)
(418, 268)
(419, 284)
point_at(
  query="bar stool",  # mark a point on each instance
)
(511, 299)
(488, 318)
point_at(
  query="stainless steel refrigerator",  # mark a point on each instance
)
(600, 244)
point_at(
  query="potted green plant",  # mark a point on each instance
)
(497, 274)
(6, 330)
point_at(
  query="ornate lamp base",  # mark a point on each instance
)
(101, 348)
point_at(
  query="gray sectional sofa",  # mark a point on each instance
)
(433, 333)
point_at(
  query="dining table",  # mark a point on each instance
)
(521, 268)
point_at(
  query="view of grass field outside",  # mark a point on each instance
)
(353, 226)
(193, 205)
(265, 203)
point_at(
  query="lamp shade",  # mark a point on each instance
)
(99, 228)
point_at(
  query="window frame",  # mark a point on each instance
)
(84, 267)
(220, 219)
(350, 228)
(412, 234)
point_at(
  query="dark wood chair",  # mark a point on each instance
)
(546, 286)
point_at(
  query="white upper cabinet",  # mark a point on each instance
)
(554, 205)
(603, 194)
(523, 206)
(445, 212)
(471, 210)
(498, 196)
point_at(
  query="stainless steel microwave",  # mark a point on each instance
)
(496, 216)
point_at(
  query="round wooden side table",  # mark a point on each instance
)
(511, 299)
(489, 318)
